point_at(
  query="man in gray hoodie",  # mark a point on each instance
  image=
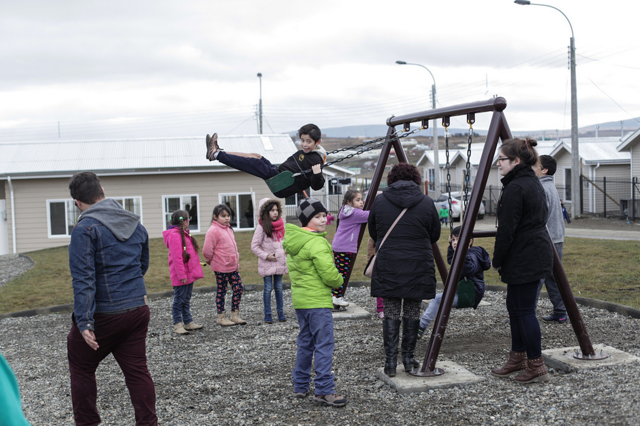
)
(108, 257)
(545, 169)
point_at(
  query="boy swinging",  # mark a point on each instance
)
(300, 162)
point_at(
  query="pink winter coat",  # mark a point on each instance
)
(220, 248)
(179, 270)
(263, 246)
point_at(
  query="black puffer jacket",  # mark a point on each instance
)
(404, 266)
(523, 250)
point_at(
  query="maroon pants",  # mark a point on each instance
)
(124, 336)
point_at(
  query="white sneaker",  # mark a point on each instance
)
(339, 301)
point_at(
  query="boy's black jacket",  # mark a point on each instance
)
(297, 163)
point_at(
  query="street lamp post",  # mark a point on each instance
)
(575, 150)
(260, 105)
(436, 159)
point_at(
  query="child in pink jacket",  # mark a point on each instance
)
(272, 260)
(221, 253)
(184, 269)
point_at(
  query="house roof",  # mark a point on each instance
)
(592, 152)
(629, 140)
(131, 156)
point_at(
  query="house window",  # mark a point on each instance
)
(61, 217)
(432, 179)
(189, 203)
(567, 184)
(241, 206)
(131, 204)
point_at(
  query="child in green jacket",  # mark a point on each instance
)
(313, 274)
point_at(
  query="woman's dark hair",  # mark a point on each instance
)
(267, 225)
(85, 187)
(177, 218)
(522, 149)
(219, 209)
(349, 196)
(404, 171)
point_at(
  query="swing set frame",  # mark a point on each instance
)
(498, 130)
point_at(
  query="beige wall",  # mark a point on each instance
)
(31, 195)
(635, 161)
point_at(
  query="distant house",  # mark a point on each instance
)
(600, 158)
(150, 177)
(631, 143)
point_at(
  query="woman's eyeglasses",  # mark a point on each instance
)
(504, 158)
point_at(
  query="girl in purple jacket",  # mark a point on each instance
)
(272, 260)
(184, 268)
(345, 242)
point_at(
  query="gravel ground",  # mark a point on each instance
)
(13, 265)
(242, 374)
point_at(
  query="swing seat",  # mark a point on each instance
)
(466, 294)
(280, 182)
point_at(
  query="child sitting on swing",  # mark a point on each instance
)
(255, 164)
(476, 262)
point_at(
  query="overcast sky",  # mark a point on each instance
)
(121, 69)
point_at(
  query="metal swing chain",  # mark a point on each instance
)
(448, 166)
(467, 180)
(380, 142)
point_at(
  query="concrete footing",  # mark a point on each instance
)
(353, 312)
(454, 375)
(562, 359)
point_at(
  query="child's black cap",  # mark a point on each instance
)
(308, 208)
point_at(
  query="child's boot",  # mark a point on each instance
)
(178, 328)
(235, 318)
(223, 321)
(516, 363)
(390, 336)
(409, 339)
(536, 372)
(193, 326)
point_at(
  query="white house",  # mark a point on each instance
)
(151, 177)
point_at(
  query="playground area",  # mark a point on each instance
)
(242, 374)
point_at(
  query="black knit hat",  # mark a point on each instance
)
(308, 208)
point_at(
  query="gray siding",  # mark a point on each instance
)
(635, 161)
(31, 195)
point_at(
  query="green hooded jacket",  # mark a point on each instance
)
(311, 268)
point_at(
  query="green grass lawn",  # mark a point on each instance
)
(600, 269)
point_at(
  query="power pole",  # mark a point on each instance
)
(260, 106)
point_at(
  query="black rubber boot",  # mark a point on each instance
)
(390, 335)
(409, 339)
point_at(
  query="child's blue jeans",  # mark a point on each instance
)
(273, 282)
(259, 167)
(181, 309)
(314, 339)
(432, 310)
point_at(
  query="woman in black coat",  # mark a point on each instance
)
(404, 270)
(523, 256)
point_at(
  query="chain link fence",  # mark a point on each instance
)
(613, 198)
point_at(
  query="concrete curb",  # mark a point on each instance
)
(584, 301)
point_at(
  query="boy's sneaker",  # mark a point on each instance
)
(333, 400)
(420, 333)
(212, 146)
(562, 319)
(339, 301)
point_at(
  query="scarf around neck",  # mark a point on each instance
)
(278, 229)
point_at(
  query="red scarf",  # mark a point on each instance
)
(278, 229)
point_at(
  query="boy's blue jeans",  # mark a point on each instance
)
(273, 282)
(432, 310)
(181, 309)
(259, 167)
(525, 328)
(552, 289)
(315, 338)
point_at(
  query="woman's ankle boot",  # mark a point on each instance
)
(517, 363)
(536, 372)
(409, 339)
(390, 335)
